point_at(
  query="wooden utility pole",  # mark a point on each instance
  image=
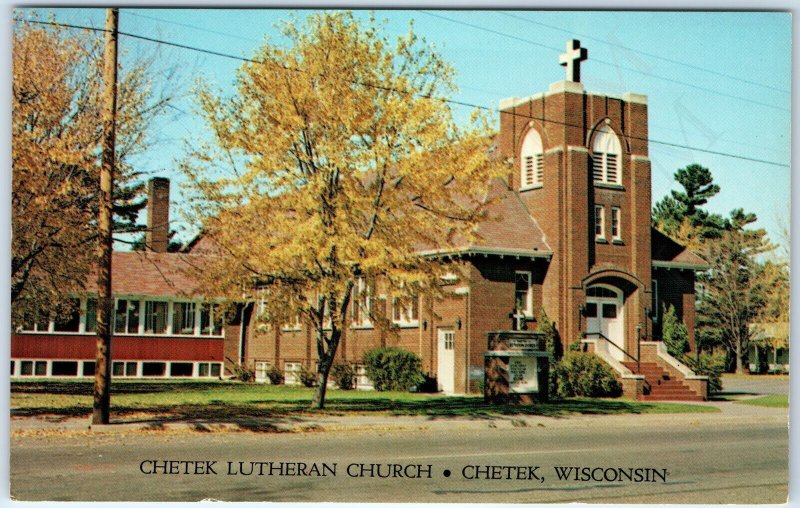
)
(105, 301)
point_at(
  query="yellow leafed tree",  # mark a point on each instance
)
(56, 130)
(335, 161)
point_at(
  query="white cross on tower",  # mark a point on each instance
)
(572, 59)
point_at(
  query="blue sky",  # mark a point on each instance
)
(717, 81)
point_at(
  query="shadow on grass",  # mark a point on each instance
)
(269, 414)
(119, 387)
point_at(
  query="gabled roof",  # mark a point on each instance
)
(156, 274)
(666, 252)
(508, 229)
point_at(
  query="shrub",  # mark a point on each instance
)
(393, 369)
(585, 375)
(552, 339)
(244, 374)
(275, 375)
(708, 364)
(675, 333)
(344, 375)
(307, 377)
(431, 385)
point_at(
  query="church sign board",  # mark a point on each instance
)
(516, 367)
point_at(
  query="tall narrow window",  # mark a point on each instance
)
(126, 319)
(616, 233)
(405, 311)
(606, 156)
(91, 315)
(362, 303)
(155, 317)
(523, 293)
(183, 318)
(531, 161)
(210, 319)
(599, 223)
(654, 303)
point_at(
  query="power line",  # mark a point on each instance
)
(651, 55)
(610, 64)
(400, 91)
(495, 92)
(194, 27)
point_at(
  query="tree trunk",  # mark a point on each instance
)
(102, 379)
(739, 362)
(325, 362)
(318, 402)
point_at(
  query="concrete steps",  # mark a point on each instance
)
(662, 385)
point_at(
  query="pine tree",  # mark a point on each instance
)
(680, 216)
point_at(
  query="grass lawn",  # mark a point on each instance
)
(231, 401)
(768, 401)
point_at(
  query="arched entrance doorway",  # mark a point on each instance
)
(605, 315)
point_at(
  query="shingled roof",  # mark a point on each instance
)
(668, 253)
(508, 229)
(156, 274)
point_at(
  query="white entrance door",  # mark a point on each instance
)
(445, 373)
(604, 314)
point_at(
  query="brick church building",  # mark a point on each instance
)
(568, 234)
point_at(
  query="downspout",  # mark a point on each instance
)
(467, 338)
(242, 332)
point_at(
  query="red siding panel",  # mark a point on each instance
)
(82, 347)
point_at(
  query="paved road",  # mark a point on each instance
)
(755, 385)
(738, 457)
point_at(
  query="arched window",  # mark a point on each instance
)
(601, 292)
(606, 156)
(531, 161)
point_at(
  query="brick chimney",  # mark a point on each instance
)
(157, 235)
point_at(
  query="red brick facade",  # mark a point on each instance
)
(564, 263)
(547, 230)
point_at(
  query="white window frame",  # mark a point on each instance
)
(600, 221)
(528, 310)
(294, 325)
(616, 223)
(151, 303)
(291, 372)
(260, 369)
(212, 310)
(402, 315)
(531, 161)
(140, 329)
(361, 304)
(363, 382)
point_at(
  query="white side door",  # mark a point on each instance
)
(445, 373)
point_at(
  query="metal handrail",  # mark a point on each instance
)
(586, 334)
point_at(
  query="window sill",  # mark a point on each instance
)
(600, 240)
(368, 326)
(531, 187)
(606, 185)
(291, 329)
(617, 241)
(413, 324)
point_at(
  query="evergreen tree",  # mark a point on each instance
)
(675, 333)
(680, 216)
